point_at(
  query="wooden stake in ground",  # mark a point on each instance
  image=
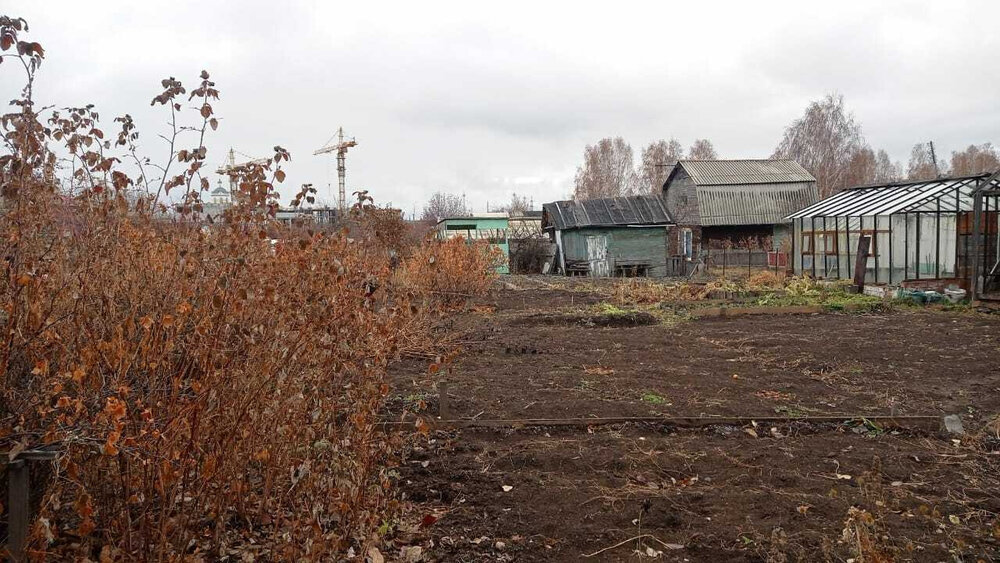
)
(443, 411)
(861, 264)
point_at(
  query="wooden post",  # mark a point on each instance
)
(861, 265)
(17, 509)
(444, 413)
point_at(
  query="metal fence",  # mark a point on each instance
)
(729, 262)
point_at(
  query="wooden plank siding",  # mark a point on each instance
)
(624, 247)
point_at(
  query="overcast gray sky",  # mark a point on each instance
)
(491, 98)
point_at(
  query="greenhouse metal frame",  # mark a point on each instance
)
(941, 229)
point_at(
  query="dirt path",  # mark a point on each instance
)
(716, 494)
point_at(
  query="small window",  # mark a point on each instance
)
(826, 242)
(687, 243)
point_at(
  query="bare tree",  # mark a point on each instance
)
(922, 165)
(861, 168)
(702, 149)
(444, 205)
(886, 170)
(869, 167)
(976, 159)
(607, 170)
(516, 206)
(657, 158)
(824, 141)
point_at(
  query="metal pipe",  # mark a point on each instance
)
(937, 241)
(918, 246)
(836, 244)
(875, 244)
(890, 250)
(850, 271)
(826, 244)
(812, 241)
(957, 213)
(977, 207)
(906, 246)
(794, 236)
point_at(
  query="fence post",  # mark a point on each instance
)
(17, 509)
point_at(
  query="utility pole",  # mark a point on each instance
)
(937, 173)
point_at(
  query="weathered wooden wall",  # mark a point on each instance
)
(607, 248)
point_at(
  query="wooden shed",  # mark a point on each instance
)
(719, 201)
(620, 236)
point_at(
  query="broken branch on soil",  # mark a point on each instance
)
(639, 537)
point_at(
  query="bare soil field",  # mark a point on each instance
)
(752, 492)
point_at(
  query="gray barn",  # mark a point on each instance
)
(713, 201)
(620, 236)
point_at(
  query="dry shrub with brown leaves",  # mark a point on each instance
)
(453, 269)
(211, 390)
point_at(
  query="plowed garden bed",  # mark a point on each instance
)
(720, 493)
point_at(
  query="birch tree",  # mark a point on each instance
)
(976, 159)
(607, 171)
(922, 164)
(702, 149)
(443, 205)
(824, 141)
(870, 167)
(657, 158)
(517, 205)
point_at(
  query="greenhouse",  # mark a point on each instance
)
(917, 231)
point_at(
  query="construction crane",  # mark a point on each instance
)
(230, 165)
(340, 147)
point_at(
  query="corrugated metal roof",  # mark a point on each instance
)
(760, 204)
(955, 194)
(723, 172)
(606, 212)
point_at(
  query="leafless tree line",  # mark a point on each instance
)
(975, 159)
(442, 205)
(609, 169)
(828, 142)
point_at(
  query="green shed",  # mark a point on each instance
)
(492, 227)
(620, 236)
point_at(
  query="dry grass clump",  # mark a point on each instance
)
(639, 291)
(767, 279)
(864, 537)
